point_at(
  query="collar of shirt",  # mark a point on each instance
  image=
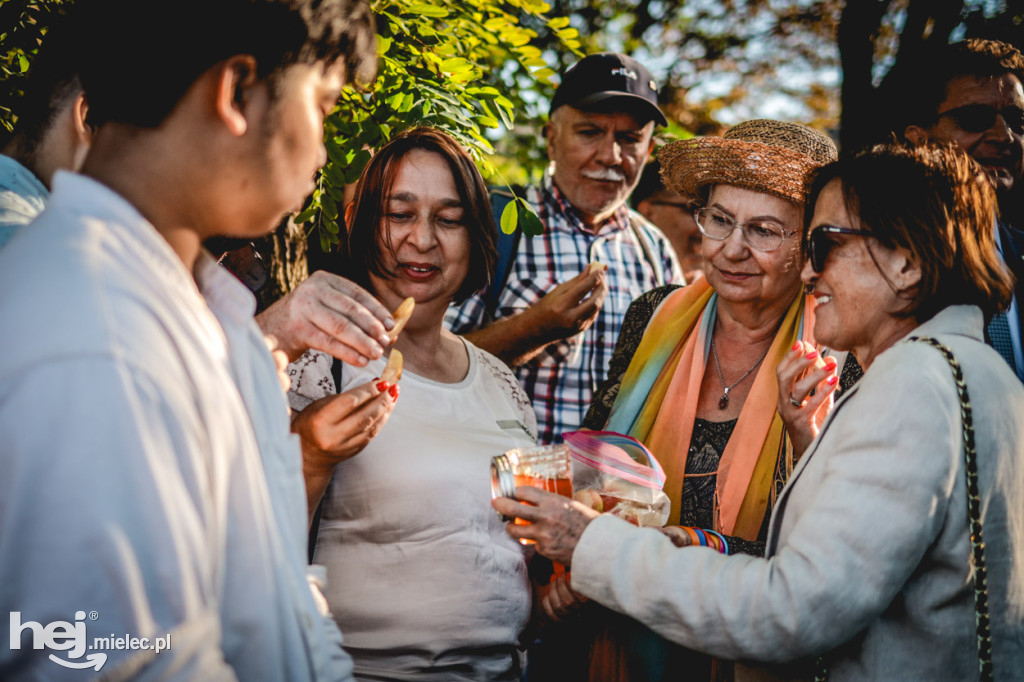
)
(226, 296)
(560, 215)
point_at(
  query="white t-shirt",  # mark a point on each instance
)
(423, 579)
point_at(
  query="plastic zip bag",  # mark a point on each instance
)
(617, 475)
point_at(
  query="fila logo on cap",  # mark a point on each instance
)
(623, 71)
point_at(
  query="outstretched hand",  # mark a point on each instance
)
(555, 522)
(806, 385)
(331, 314)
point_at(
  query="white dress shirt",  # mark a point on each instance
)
(133, 485)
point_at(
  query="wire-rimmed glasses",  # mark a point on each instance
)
(761, 235)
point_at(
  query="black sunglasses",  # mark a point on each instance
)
(819, 244)
(977, 118)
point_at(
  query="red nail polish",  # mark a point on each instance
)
(796, 346)
(382, 386)
(813, 354)
(830, 364)
(833, 379)
(393, 391)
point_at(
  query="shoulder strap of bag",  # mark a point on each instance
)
(982, 621)
(649, 253)
(507, 246)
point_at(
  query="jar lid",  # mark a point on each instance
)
(503, 482)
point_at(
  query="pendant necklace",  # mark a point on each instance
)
(723, 402)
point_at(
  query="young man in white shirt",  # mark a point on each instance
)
(151, 480)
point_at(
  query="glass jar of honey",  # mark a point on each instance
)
(543, 466)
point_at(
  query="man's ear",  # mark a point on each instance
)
(79, 119)
(235, 78)
(915, 135)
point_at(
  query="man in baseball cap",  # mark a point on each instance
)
(611, 80)
(556, 319)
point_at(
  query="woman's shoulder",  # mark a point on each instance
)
(643, 307)
(496, 373)
(655, 297)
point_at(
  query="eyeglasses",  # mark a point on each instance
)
(761, 235)
(819, 244)
(977, 118)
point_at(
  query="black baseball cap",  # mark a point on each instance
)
(608, 75)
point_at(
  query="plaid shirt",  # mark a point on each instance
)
(563, 377)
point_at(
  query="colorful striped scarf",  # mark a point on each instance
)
(657, 405)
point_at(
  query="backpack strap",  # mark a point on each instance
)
(648, 249)
(507, 246)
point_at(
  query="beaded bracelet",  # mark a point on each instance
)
(707, 538)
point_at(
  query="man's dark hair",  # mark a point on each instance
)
(51, 85)
(923, 86)
(649, 184)
(368, 237)
(141, 57)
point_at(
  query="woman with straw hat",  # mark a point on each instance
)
(693, 375)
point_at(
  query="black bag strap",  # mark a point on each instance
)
(507, 245)
(981, 616)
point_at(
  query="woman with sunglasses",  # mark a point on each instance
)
(693, 375)
(896, 551)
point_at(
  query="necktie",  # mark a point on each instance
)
(998, 333)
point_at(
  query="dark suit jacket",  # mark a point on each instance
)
(1013, 253)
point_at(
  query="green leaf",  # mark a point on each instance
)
(483, 93)
(558, 22)
(510, 217)
(544, 75)
(427, 10)
(497, 23)
(355, 168)
(306, 215)
(330, 208)
(23, 62)
(335, 152)
(456, 65)
(532, 226)
(487, 121)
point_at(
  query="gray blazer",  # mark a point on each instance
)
(868, 551)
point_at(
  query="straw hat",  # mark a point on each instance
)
(767, 156)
